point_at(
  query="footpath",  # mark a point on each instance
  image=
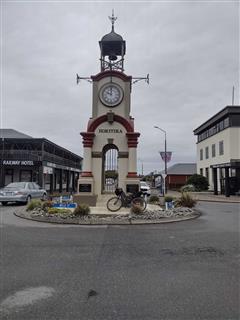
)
(208, 196)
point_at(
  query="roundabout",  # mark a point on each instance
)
(153, 215)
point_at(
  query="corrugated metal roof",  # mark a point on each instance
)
(182, 169)
(14, 134)
(11, 133)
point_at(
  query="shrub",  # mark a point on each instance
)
(64, 213)
(136, 208)
(168, 198)
(153, 199)
(53, 210)
(59, 212)
(46, 205)
(188, 188)
(200, 182)
(185, 200)
(35, 203)
(82, 210)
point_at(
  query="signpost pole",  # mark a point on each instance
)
(165, 145)
(165, 157)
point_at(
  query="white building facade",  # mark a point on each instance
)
(218, 151)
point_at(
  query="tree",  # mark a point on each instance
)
(200, 182)
(111, 174)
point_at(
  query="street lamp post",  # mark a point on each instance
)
(165, 156)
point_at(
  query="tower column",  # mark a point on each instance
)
(132, 153)
(85, 184)
(87, 153)
(87, 162)
(132, 158)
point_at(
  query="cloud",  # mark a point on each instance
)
(190, 50)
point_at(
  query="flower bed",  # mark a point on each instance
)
(149, 216)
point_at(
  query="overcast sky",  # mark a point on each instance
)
(189, 48)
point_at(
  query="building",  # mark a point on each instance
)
(24, 158)
(218, 150)
(177, 175)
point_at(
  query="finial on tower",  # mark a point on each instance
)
(113, 19)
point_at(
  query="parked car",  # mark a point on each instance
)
(144, 187)
(21, 192)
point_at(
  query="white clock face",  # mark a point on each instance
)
(111, 94)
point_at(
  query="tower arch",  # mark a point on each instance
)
(94, 123)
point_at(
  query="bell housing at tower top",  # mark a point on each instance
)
(112, 44)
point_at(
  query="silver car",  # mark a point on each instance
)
(21, 192)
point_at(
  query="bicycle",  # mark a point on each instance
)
(122, 200)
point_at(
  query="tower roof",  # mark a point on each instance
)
(112, 36)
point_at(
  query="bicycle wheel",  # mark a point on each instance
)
(139, 202)
(114, 204)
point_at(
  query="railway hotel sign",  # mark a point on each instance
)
(18, 163)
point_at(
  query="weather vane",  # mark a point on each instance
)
(113, 19)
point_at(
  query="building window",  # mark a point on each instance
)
(233, 172)
(201, 154)
(221, 148)
(201, 171)
(221, 173)
(8, 176)
(207, 173)
(221, 125)
(206, 153)
(25, 175)
(226, 123)
(213, 150)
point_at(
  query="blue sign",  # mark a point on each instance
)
(66, 198)
(169, 205)
(65, 205)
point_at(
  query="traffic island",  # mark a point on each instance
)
(153, 216)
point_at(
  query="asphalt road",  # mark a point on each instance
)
(186, 270)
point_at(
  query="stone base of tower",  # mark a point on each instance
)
(84, 199)
(132, 184)
(85, 192)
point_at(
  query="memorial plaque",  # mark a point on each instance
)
(83, 187)
(132, 188)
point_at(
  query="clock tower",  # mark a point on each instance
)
(110, 141)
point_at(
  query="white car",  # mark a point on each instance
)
(144, 187)
(21, 192)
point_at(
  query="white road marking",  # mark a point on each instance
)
(25, 297)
